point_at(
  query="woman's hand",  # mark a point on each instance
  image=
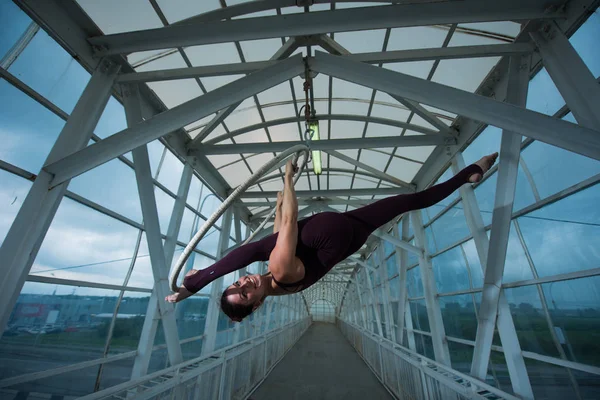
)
(290, 169)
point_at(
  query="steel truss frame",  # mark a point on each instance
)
(72, 29)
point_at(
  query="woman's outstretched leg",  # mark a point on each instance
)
(380, 212)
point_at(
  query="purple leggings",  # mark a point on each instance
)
(336, 236)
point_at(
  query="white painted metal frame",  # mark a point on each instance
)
(538, 126)
(506, 330)
(434, 313)
(157, 252)
(29, 228)
(570, 74)
(303, 24)
(212, 315)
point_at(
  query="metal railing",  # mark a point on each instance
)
(230, 373)
(409, 375)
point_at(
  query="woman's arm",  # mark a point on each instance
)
(278, 212)
(282, 262)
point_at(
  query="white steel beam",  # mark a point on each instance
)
(427, 116)
(145, 185)
(302, 24)
(284, 52)
(146, 342)
(506, 327)
(323, 117)
(374, 171)
(401, 257)
(397, 242)
(507, 116)
(510, 151)
(212, 315)
(374, 305)
(321, 202)
(27, 232)
(570, 74)
(173, 119)
(331, 144)
(386, 297)
(329, 193)
(434, 314)
(441, 53)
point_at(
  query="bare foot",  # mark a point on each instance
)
(485, 163)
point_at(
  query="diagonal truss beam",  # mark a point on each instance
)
(170, 120)
(506, 116)
(443, 53)
(392, 16)
(332, 144)
(330, 193)
(391, 179)
(284, 52)
(326, 117)
(374, 171)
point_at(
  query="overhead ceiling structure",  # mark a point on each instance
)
(397, 87)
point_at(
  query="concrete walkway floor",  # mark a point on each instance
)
(321, 365)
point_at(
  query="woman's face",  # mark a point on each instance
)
(247, 290)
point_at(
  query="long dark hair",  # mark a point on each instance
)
(236, 312)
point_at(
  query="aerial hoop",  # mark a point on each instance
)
(297, 151)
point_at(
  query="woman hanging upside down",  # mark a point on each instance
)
(302, 252)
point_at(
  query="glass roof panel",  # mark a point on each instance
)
(361, 41)
(464, 74)
(349, 107)
(276, 94)
(260, 50)
(257, 160)
(235, 174)
(375, 159)
(266, 13)
(211, 54)
(420, 69)
(335, 162)
(284, 133)
(177, 10)
(242, 119)
(216, 82)
(115, 16)
(173, 60)
(418, 37)
(173, 93)
(504, 28)
(418, 153)
(344, 89)
(379, 130)
(272, 112)
(346, 129)
(340, 181)
(257, 136)
(404, 170)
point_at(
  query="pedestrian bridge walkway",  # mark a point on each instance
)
(307, 360)
(321, 365)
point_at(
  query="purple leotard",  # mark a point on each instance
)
(327, 238)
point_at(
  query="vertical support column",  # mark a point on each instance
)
(361, 303)
(27, 232)
(146, 342)
(434, 314)
(374, 305)
(573, 79)
(212, 316)
(386, 298)
(402, 262)
(506, 330)
(510, 150)
(143, 176)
